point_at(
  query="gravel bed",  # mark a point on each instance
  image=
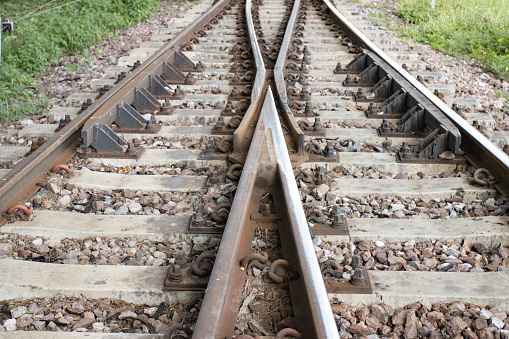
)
(68, 314)
(104, 250)
(149, 170)
(57, 194)
(374, 206)
(421, 320)
(348, 145)
(436, 255)
(308, 176)
(468, 78)
(121, 202)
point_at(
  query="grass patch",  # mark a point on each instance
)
(463, 28)
(41, 40)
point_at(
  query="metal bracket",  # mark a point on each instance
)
(158, 87)
(415, 112)
(108, 144)
(173, 76)
(183, 63)
(145, 102)
(129, 120)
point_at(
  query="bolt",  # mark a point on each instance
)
(358, 278)
(372, 108)
(356, 261)
(405, 148)
(329, 148)
(175, 273)
(338, 69)
(338, 221)
(386, 128)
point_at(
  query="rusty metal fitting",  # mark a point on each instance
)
(316, 216)
(330, 268)
(221, 213)
(178, 327)
(175, 273)
(62, 166)
(234, 172)
(358, 278)
(242, 106)
(26, 210)
(203, 264)
(288, 332)
(317, 126)
(356, 261)
(339, 221)
(254, 260)
(481, 177)
(279, 265)
(235, 121)
(302, 174)
(312, 148)
(304, 125)
(225, 144)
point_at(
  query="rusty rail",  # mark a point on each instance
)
(222, 299)
(479, 150)
(279, 74)
(311, 305)
(242, 135)
(20, 183)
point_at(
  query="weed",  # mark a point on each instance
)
(476, 28)
(40, 41)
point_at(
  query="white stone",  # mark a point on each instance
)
(485, 314)
(496, 322)
(10, 325)
(98, 326)
(37, 242)
(65, 200)
(379, 243)
(18, 311)
(200, 239)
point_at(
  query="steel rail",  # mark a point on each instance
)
(479, 150)
(222, 298)
(310, 301)
(20, 183)
(279, 72)
(241, 136)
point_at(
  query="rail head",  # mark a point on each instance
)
(241, 138)
(217, 319)
(488, 155)
(279, 73)
(315, 300)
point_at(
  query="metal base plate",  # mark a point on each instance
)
(115, 155)
(322, 158)
(340, 286)
(411, 158)
(324, 229)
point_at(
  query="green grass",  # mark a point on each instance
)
(41, 40)
(476, 28)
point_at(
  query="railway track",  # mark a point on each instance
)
(269, 171)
